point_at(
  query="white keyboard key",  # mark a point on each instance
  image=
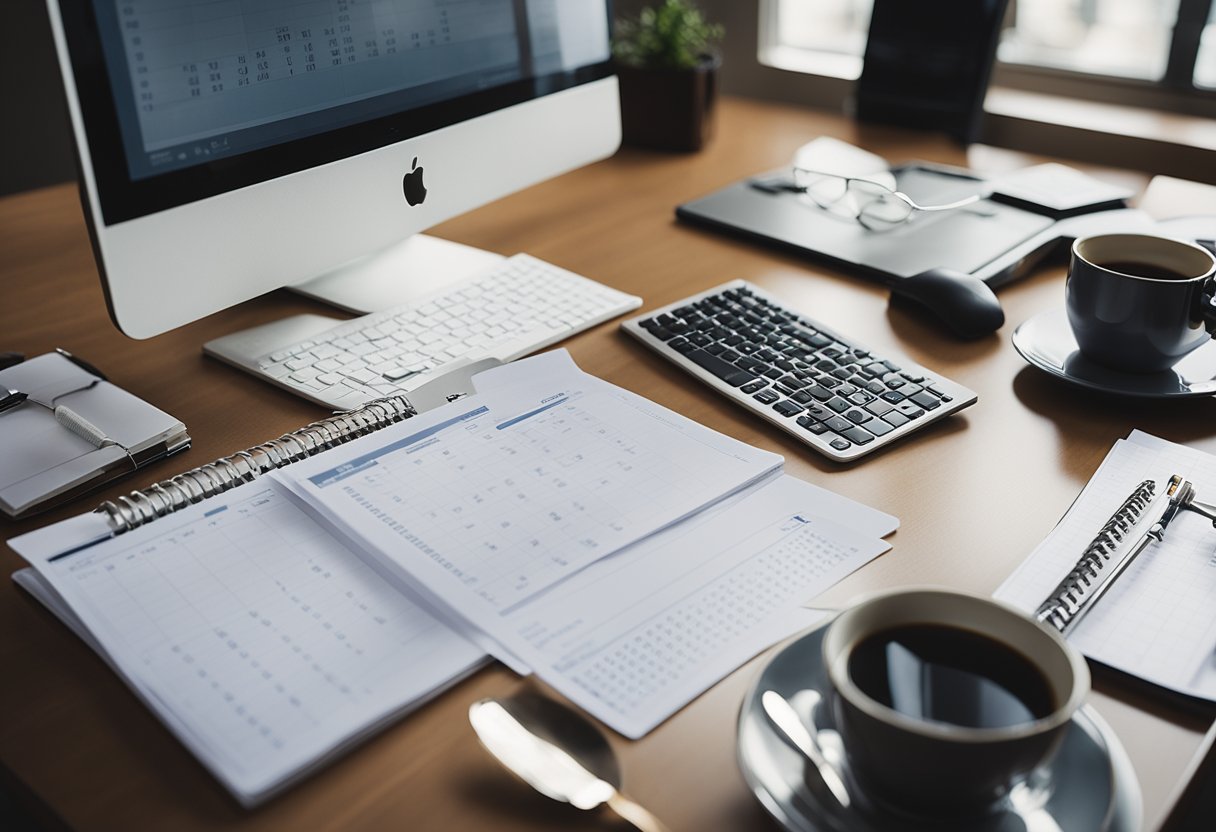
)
(519, 306)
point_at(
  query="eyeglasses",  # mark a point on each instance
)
(873, 205)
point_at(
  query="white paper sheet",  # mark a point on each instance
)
(636, 636)
(1156, 621)
(493, 499)
(263, 642)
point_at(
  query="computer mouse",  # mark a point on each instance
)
(963, 304)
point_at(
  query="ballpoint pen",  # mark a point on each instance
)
(1097, 571)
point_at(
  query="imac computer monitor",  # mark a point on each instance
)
(232, 147)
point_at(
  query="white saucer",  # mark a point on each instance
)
(1046, 341)
(1089, 786)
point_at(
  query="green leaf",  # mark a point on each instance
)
(675, 36)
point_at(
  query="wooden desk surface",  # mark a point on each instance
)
(974, 494)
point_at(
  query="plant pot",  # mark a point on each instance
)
(668, 109)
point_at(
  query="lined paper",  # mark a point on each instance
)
(1156, 621)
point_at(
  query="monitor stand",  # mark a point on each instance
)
(411, 269)
(417, 266)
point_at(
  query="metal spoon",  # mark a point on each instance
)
(796, 733)
(557, 752)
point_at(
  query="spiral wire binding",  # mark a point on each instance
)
(1069, 595)
(167, 496)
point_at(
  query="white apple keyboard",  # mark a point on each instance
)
(517, 307)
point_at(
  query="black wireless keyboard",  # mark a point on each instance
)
(830, 392)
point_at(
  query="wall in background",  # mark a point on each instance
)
(36, 141)
(37, 148)
(1165, 151)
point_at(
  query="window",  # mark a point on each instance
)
(1168, 45)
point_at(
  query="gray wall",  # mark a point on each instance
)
(36, 145)
(35, 139)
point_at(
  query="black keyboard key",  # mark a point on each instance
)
(826, 365)
(805, 421)
(649, 323)
(910, 410)
(772, 372)
(820, 392)
(817, 428)
(926, 400)
(733, 340)
(859, 436)
(819, 340)
(729, 355)
(820, 412)
(802, 397)
(858, 416)
(700, 339)
(662, 333)
(785, 364)
(843, 373)
(788, 408)
(846, 389)
(876, 388)
(895, 418)
(841, 444)
(838, 404)
(793, 382)
(724, 370)
(893, 396)
(715, 349)
(838, 424)
(753, 386)
(684, 346)
(861, 397)
(766, 396)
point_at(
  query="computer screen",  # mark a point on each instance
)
(229, 147)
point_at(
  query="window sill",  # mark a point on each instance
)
(1194, 132)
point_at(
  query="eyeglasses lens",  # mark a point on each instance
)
(877, 207)
(822, 189)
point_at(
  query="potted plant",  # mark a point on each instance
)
(667, 65)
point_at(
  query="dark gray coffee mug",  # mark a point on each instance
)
(937, 768)
(1140, 303)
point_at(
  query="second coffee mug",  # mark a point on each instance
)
(1140, 303)
(945, 701)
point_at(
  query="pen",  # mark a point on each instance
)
(81, 363)
(11, 398)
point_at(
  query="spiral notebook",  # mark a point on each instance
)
(1155, 621)
(260, 637)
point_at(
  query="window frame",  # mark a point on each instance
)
(1176, 91)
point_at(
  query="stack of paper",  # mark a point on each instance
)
(627, 555)
(1156, 621)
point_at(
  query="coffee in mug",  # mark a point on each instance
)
(1139, 303)
(946, 701)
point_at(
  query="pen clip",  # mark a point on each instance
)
(11, 398)
(81, 363)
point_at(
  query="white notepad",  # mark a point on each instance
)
(1157, 620)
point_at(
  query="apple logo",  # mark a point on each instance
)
(411, 184)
